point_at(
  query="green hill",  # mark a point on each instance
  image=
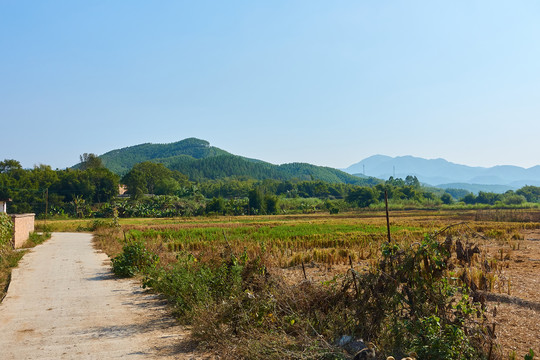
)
(200, 161)
(121, 161)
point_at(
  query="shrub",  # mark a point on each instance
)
(189, 283)
(36, 238)
(103, 224)
(409, 301)
(134, 258)
(409, 304)
(6, 229)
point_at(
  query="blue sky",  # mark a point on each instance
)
(324, 82)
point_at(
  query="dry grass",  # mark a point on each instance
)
(325, 251)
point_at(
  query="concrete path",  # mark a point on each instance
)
(64, 303)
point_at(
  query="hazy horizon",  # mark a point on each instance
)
(303, 81)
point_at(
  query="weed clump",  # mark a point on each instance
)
(134, 258)
(411, 303)
(6, 229)
(408, 302)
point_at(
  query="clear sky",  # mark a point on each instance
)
(324, 82)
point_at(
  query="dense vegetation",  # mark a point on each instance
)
(190, 177)
(6, 229)
(157, 191)
(223, 166)
(294, 287)
(42, 189)
(200, 162)
(122, 160)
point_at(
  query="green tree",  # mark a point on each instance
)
(446, 199)
(135, 181)
(512, 198)
(90, 161)
(487, 198)
(469, 199)
(457, 193)
(395, 181)
(216, 205)
(9, 165)
(153, 178)
(105, 184)
(271, 204)
(362, 196)
(256, 201)
(412, 181)
(167, 186)
(531, 193)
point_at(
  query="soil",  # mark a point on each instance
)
(518, 308)
(517, 314)
(64, 303)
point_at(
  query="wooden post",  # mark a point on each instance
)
(46, 207)
(353, 275)
(387, 215)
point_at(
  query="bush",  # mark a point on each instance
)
(189, 283)
(103, 224)
(409, 304)
(6, 229)
(514, 199)
(134, 258)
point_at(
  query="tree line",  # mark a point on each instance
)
(155, 190)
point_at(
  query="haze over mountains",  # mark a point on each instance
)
(442, 173)
(198, 160)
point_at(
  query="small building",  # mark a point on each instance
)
(3, 205)
(122, 189)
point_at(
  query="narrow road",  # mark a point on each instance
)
(64, 303)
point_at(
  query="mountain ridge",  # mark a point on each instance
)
(440, 171)
(200, 161)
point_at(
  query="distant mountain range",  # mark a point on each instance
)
(444, 174)
(200, 161)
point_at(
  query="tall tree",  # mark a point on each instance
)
(256, 201)
(362, 196)
(9, 165)
(90, 161)
(153, 178)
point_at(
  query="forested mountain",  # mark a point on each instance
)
(120, 161)
(440, 171)
(223, 166)
(200, 161)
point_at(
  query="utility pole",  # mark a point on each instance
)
(387, 215)
(46, 205)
